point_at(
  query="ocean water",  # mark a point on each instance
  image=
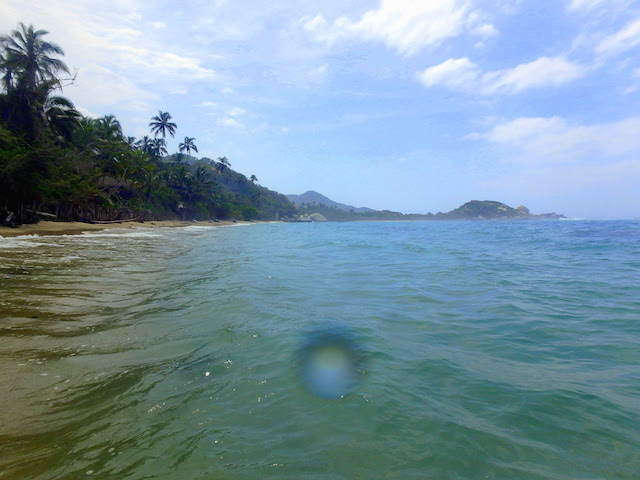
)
(486, 350)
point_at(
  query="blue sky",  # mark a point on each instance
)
(413, 106)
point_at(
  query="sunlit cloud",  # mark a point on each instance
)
(628, 37)
(105, 89)
(225, 117)
(463, 74)
(588, 6)
(553, 140)
(585, 4)
(229, 122)
(118, 63)
(403, 25)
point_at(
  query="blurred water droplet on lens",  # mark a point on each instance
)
(329, 361)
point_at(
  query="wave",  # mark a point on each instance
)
(138, 233)
(24, 241)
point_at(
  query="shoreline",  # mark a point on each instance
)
(75, 228)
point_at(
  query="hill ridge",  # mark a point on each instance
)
(311, 197)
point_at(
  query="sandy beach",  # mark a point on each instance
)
(74, 228)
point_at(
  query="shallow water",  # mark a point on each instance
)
(491, 350)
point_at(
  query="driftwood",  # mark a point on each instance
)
(42, 214)
(8, 221)
(102, 222)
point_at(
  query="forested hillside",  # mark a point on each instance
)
(56, 162)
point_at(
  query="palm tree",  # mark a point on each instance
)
(160, 124)
(222, 165)
(253, 179)
(201, 186)
(61, 116)
(158, 147)
(109, 127)
(202, 175)
(7, 69)
(188, 145)
(30, 58)
(145, 144)
(30, 71)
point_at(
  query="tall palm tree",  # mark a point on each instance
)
(30, 73)
(253, 179)
(31, 58)
(160, 124)
(188, 145)
(222, 165)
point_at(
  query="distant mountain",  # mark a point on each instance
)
(313, 202)
(312, 197)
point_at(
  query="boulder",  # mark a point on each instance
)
(318, 217)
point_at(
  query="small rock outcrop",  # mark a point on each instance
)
(317, 217)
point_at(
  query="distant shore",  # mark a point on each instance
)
(75, 228)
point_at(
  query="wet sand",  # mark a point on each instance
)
(74, 228)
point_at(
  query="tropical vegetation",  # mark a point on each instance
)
(54, 161)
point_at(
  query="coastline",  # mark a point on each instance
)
(76, 228)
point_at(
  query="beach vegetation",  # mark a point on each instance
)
(56, 161)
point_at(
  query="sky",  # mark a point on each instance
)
(413, 106)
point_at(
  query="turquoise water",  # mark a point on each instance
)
(490, 350)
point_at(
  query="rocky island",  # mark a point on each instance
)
(492, 210)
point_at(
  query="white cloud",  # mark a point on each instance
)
(587, 191)
(552, 140)
(585, 5)
(609, 8)
(485, 30)
(621, 41)
(406, 26)
(458, 73)
(101, 88)
(121, 47)
(542, 72)
(319, 72)
(118, 55)
(463, 74)
(87, 113)
(229, 122)
(593, 170)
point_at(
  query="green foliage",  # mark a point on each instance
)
(54, 160)
(335, 214)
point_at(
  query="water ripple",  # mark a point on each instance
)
(491, 350)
